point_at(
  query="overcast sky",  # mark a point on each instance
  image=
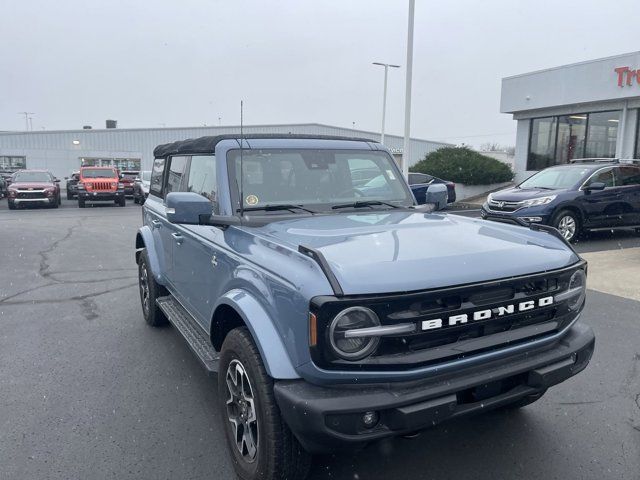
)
(188, 62)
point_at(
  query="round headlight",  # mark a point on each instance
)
(353, 348)
(577, 284)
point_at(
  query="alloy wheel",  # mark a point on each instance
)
(144, 288)
(241, 411)
(567, 227)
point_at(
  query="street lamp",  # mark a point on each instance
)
(384, 95)
(406, 150)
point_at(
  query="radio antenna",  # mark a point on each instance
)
(241, 169)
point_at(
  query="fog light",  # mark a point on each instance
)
(370, 419)
(532, 219)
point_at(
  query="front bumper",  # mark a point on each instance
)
(43, 200)
(540, 215)
(325, 419)
(100, 196)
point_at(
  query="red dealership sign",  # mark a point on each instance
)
(626, 76)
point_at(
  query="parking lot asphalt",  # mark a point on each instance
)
(87, 390)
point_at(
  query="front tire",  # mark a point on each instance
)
(568, 224)
(149, 292)
(260, 443)
(122, 202)
(12, 205)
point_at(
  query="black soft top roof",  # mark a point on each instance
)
(208, 144)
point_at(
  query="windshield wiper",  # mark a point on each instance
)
(364, 203)
(275, 207)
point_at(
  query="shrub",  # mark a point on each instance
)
(463, 165)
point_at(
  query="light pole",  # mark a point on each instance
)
(26, 119)
(406, 150)
(384, 95)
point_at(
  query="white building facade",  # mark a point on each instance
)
(62, 152)
(582, 110)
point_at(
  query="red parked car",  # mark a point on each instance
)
(33, 187)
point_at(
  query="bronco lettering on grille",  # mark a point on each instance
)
(500, 311)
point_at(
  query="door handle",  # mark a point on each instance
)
(156, 223)
(178, 238)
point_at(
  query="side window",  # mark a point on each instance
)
(628, 176)
(155, 184)
(202, 177)
(174, 174)
(605, 176)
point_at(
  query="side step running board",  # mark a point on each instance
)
(191, 331)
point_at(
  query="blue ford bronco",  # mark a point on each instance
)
(336, 312)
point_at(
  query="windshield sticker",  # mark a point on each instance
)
(391, 175)
(251, 200)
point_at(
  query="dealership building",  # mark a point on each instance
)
(582, 110)
(62, 152)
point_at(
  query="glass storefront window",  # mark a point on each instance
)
(119, 163)
(602, 135)
(557, 140)
(543, 143)
(572, 131)
(12, 163)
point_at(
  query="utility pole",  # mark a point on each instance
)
(26, 119)
(384, 95)
(406, 150)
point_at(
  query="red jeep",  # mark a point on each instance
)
(100, 184)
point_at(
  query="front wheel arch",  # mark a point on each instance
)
(239, 308)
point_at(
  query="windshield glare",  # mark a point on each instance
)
(318, 177)
(32, 177)
(98, 173)
(556, 178)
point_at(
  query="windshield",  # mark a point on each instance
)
(32, 177)
(319, 178)
(98, 173)
(129, 175)
(556, 178)
(145, 176)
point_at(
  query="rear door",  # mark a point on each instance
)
(628, 181)
(602, 207)
(155, 214)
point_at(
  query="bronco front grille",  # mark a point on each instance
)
(445, 342)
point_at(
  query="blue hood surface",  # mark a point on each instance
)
(518, 194)
(386, 252)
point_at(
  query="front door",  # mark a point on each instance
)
(198, 261)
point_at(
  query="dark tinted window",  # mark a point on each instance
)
(155, 185)
(628, 176)
(543, 143)
(416, 178)
(202, 177)
(602, 135)
(604, 176)
(174, 175)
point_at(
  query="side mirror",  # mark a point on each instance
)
(193, 209)
(57, 180)
(187, 207)
(594, 186)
